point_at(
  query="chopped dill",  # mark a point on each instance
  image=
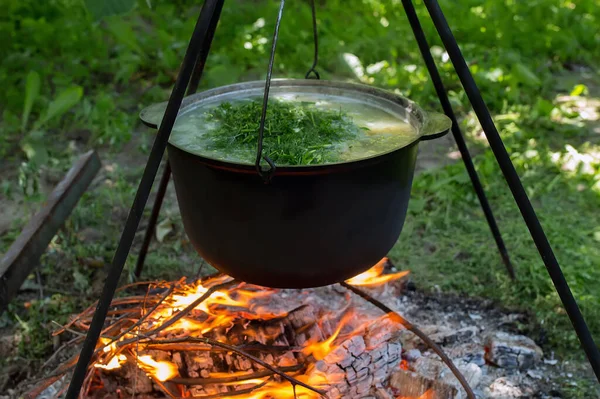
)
(295, 134)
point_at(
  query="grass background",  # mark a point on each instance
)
(71, 82)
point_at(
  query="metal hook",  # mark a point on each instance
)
(316, 38)
(313, 71)
(267, 175)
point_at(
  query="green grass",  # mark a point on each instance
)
(519, 53)
(446, 242)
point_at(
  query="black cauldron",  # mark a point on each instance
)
(311, 225)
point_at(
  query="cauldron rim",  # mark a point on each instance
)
(415, 115)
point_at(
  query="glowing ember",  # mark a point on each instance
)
(404, 364)
(429, 394)
(108, 348)
(374, 276)
(255, 381)
(233, 374)
(162, 370)
(114, 363)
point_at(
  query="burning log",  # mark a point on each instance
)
(412, 385)
(222, 338)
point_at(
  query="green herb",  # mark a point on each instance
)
(295, 134)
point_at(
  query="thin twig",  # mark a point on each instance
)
(116, 324)
(65, 368)
(62, 391)
(231, 393)
(199, 272)
(233, 378)
(190, 307)
(166, 324)
(87, 383)
(187, 344)
(145, 316)
(124, 311)
(163, 387)
(177, 344)
(58, 372)
(137, 283)
(180, 314)
(63, 346)
(38, 287)
(90, 310)
(394, 316)
(38, 276)
(34, 392)
(266, 365)
(79, 334)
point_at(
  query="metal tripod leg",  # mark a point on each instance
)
(166, 176)
(512, 178)
(211, 11)
(458, 137)
(160, 195)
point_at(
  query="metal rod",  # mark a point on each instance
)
(316, 39)
(413, 19)
(158, 201)
(166, 176)
(210, 10)
(267, 175)
(202, 57)
(512, 178)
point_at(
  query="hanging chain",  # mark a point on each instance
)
(268, 174)
(316, 37)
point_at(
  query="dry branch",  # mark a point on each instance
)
(188, 344)
(233, 378)
(144, 317)
(186, 310)
(253, 358)
(395, 316)
(231, 393)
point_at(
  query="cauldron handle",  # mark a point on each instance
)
(435, 125)
(152, 115)
(266, 175)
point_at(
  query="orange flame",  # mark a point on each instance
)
(161, 370)
(224, 308)
(320, 350)
(114, 363)
(281, 390)
(237, 298)
(190, 325)
(374, 276)
(107, 348)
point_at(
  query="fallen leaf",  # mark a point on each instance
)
(578, 90)
(163, 229)
(92, 262)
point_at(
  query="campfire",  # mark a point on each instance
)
(218, 337)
